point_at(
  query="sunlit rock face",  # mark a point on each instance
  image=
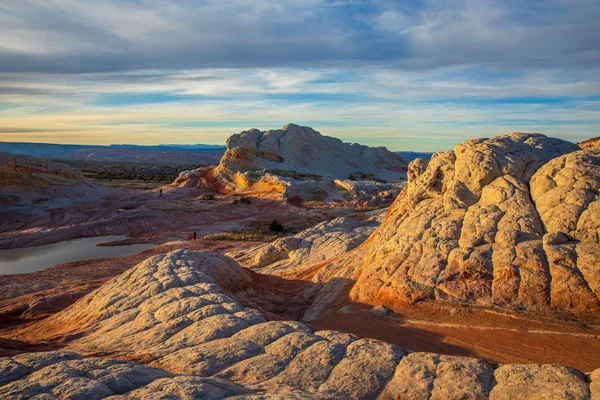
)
(593, 143)
(511, 221)
(299, 161)
(182, 316)
(25, 179)
(292, 255)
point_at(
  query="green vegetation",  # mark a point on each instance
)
(276, 227)
(120, 171)
(243, 200)
(249, 236)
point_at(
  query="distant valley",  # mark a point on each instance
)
(202, 154)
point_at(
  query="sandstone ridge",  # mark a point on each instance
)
(593, 143)
(197, 341)
(25, 179)
(510, 221)
(292, 255)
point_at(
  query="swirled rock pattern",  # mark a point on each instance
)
(300, 252)
(25, 179)
(303, 150)
(299, 161)
(172, 313)
(508, 221)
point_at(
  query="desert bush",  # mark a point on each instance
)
(276, 227)
(243, 236)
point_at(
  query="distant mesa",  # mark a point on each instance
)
(299, 161)
(408, 156)
(25, 180)
(200, 154)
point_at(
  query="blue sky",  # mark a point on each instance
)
(410, 75)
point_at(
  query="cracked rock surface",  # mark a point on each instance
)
(298, 253)
(510, 221)
(194, 341)
(297, 161)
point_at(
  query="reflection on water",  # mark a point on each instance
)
(31, 259)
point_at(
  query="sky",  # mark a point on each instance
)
(408, 75)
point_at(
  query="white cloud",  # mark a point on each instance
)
(386, 72)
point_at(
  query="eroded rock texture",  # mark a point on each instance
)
(172, 313)
(293, 255)
(593, 143)
(510, 221)
(25, 179)
(305, 151)
(299, 161)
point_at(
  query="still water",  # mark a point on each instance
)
(31, 259)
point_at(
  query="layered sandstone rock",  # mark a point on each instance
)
(593, 143)
(199, 342)
(305, 151)
(192, 178)
(25, 179)
(508, 221)
(299, 161)
(293, 255)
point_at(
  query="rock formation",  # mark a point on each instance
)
(192, 178)
(293, 255)
(510, 221)
(593, 143)
(182, 317)
(299, 161)
(25, 179)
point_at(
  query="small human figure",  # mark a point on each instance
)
(194, 235)
(160, 195)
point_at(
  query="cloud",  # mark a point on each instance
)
(114, 35)
(367, 70)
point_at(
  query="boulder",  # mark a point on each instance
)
(299, 161)
(480, 225)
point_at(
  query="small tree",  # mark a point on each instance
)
(276, 227)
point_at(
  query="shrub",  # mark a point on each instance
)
(276, 227)
(243, 236)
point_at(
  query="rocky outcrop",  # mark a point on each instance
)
(197, 341)
(293, 255)
(299, 161)
(509, 221)
(303, 150)
(192, 178)
(25, 179)
(593, 143)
